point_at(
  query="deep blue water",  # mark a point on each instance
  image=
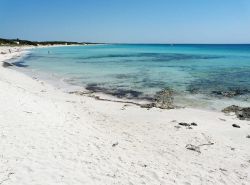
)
(139, 71)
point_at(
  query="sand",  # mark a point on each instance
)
(50, 137)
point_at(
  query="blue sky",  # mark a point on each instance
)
(127, 21)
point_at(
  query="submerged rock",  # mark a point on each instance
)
(228, 94)
(243, 113)
(231, 92)
(193, 90)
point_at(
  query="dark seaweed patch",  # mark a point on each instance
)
(152, 84)
(153, 57)
(222, 83)
(119, 93)
(125, 76)
(20, 64)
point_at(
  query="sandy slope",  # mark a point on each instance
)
(51, 137)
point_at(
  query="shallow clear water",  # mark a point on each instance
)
(199, 74)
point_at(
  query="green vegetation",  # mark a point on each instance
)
(18, 42)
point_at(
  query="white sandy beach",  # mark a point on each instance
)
(50, 137)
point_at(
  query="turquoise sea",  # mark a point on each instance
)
(207, 76)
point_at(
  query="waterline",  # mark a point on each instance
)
(210, 76)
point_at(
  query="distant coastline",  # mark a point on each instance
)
(20, 42)
(24, 42)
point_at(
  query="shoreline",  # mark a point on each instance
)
(215, 100)
(52, 137)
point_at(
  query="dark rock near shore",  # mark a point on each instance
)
(235, 125)
(194, 124)
(232, 108)
(164, 99)
(188, 125)
(243, 113)
(7, 64)
(115, 144)
(184, 124)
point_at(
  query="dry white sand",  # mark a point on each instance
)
(50, 137)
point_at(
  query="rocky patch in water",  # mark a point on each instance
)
(163, 99)
(228, 92)
(243, 113)
(231, 92)
(119, 93)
